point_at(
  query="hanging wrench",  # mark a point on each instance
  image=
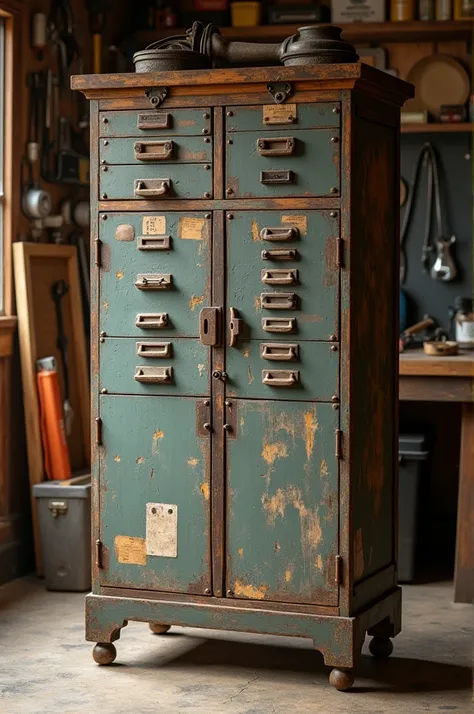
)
(58, 291)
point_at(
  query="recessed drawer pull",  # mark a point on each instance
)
(152, 320)
(152, 188)
(280, 377)
(283, 352)
(280, 277)
(280, 254)
(154, 242)
(153, 281)
(157, 120)
(154, 375)
(279, 234)
(279, 324)
(278, 301)
(280, 146)
(279, 177)
(153, 150)
(154, 349)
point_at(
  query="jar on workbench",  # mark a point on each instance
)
(463, 317)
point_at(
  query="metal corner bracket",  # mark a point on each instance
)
(279, 91)
(156, 96)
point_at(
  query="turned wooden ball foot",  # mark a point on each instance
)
(381, 647)
(104, 653)
(158, 629)
(341, 679)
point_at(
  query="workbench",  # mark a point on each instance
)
(450, 379)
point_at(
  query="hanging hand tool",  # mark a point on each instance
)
(97, 10)
(59, 290)
(443, 268)
(61, 34)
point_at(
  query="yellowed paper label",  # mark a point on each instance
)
(300, 222)
(279, 113)
(153, 225)
(130, 550)
(358, 554)
(191, 228)
(162, 529)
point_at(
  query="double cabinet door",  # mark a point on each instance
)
(219, 403)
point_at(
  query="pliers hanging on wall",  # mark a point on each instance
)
(61, 34)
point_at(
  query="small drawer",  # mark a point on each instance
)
(272, 117)
(276, 370)
(178, 366)
(161, 122)
(189, 149)
(150, 183)
(300, 163)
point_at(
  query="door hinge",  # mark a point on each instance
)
(338, 569)
(98, 252)
(98, 554)
(98, 431)
(339, 253)
(338, 452)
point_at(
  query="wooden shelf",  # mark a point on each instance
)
(371, 32)
(436, 128)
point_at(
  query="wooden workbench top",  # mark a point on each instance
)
(415, 363)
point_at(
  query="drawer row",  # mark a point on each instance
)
(170, 154)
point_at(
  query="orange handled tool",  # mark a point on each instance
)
(56, 455)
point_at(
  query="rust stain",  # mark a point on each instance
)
(323, 469)
(319, 562)
(139, 460)
(193, 461)
(241, 552)
(195, 301)
(255, 231)
(201, 368)
(119, 274)
(276, 547)
(117, 458)
(157, 435)
(276, 505)
(271, 452)
(257, 303)
(205, 490)
(310, 427)
(106, 305)
(250, 591)
(242, 421)
(289, 574)
(250, 375)
(246, 351)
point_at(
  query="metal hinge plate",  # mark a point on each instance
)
(98, 554)
(279, 91)
(98, 252)
(98, 431)
(338, 450)
(338, 569)
(339, 253)
(156, 96)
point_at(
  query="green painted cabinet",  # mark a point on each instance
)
(244, 354)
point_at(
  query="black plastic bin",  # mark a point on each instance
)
(412, 455)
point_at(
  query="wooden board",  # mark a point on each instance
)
(37, 267)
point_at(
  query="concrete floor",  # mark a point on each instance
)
(46, 666)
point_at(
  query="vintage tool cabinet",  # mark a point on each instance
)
(245, 290)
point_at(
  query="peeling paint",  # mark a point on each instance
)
(250, 375)
(257, 303)
(276, 505)
(319, 562)
(310, 426)
(255, 231)
(249, 591)
(205, 490)
(241, 552)
(139, 460)
(201, 368)
(246, 351)
(193, 461)
(323, 469)
(289, 574)
(271, 452)
(106, 305)
(195, 301)
(157, 435)
(119, 274)
(276, 547)
(117, 458)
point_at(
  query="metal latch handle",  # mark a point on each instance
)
(235, 326)
(142, 152)
(154, 375)
(152, 320)
(153, 281)
(57, 508)
(277, 177)
(278, 301)
(162, 189)
(280, 378)
(280, 277)
(280, 352)
(155, 350)
(279, 324)
(278, 146)
(209, 326)
(280, 254)
(279, 234)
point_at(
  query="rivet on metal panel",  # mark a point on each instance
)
(206, 403)
(227, 427)
(230, 113)
(333, 214)
(333, 338)
(333, 189)
(205, 131)
(334, 398)
(229, 141)
(103, 334)
(336, 110)
(229, 592)
(206, 195)
(104, 217)
(207, 591)
(228, 403)
(102, 339)
(207, 215)
(207, 140)
(105, 168)
(335, 407)
(103, 390)
(334, 139)
(229, 191)
(106, 142)
(206, 426)
(103, 161)
(104, 195)
(105, 120)
(230, 216)
(334, 348)
(206, 115)
(207, 167)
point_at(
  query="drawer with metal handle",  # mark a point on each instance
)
(282, 370)
(149, 366)
(185, 149)
(280, 254)
(280, 276)
(280, 234)
(279, 301)
(275, 117)
(150, 183)
(303, 163)
(154, 281)
(159, 122)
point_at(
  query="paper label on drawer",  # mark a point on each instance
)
(162, 530)
(153, 225)
(299, 222)
(279, 113)
(191, 228)
(130, 550)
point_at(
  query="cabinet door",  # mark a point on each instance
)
(155, 494)
(282, 503)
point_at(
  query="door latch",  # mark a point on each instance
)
(209, 326)
(235, 326)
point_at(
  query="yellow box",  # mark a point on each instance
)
(246, 14)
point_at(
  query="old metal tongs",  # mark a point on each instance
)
(443, 268)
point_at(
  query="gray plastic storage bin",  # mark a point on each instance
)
(64, 513)
(412, 453)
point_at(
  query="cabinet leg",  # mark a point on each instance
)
(104, 653)
(381, 647)
(158, 629)
(341, 679)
